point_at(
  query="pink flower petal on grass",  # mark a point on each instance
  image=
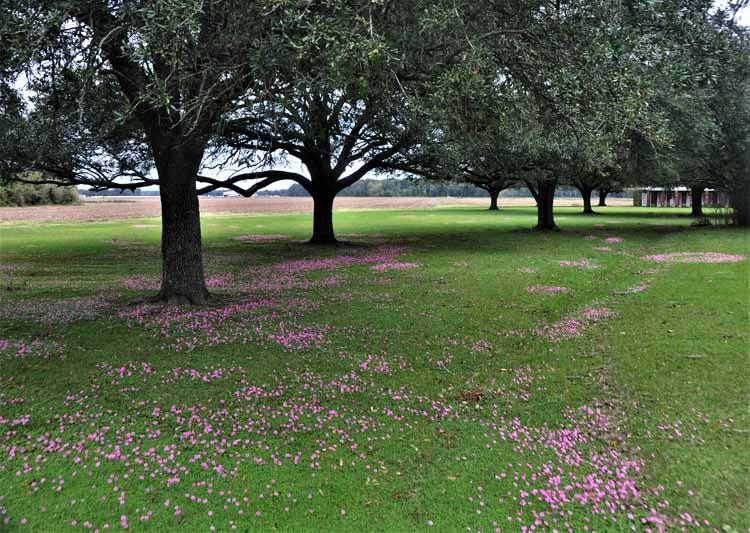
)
(546, 289)
(394, 265)
(695, 257)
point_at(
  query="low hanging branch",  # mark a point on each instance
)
(267, 178)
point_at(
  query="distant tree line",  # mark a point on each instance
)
(114, 192)
(393, 187)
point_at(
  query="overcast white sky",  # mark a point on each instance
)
(743, 17)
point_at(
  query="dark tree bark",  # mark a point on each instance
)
(544, 194)
(742, 215)
(177, 156)
(493, 199)
(323, 217)
(586, 195)
(603, 197)
(587, 210)
(739, 200)
(182, 279)
(545, 215)
(696, 201)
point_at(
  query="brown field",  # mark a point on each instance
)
(114, 208)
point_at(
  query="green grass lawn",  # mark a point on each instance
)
(446, 370)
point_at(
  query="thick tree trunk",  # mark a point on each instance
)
(603, 197)
(323, 218)
(493, 199)
(544, 205)
(696, 201)
(740, 201)
(742, 215)
(586, 195)
(182, 279)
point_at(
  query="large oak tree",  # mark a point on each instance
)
(341, 105)
(127, 94)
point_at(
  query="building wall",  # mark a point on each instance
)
(677, 198)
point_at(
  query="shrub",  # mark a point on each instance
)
(24, 194)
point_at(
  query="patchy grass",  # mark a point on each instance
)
(446, 369)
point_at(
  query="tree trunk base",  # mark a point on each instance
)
(324, 241)
(323, 233)
(603, 198)
(586, 196)
(493, 208)
(741, 216)
(545, 210)
(182, 276)
(493, 199)
(200, 298)
(696, 202)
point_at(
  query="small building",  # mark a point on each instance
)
(677, 197)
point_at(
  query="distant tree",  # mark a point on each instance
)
(633, 156)
(340, 104)
(702, 88)
(586, 181)
(558, 94)
(494, 185)
(608, 186)
(460, 166)
(585, 157)
(729, 166)
(603, 193)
